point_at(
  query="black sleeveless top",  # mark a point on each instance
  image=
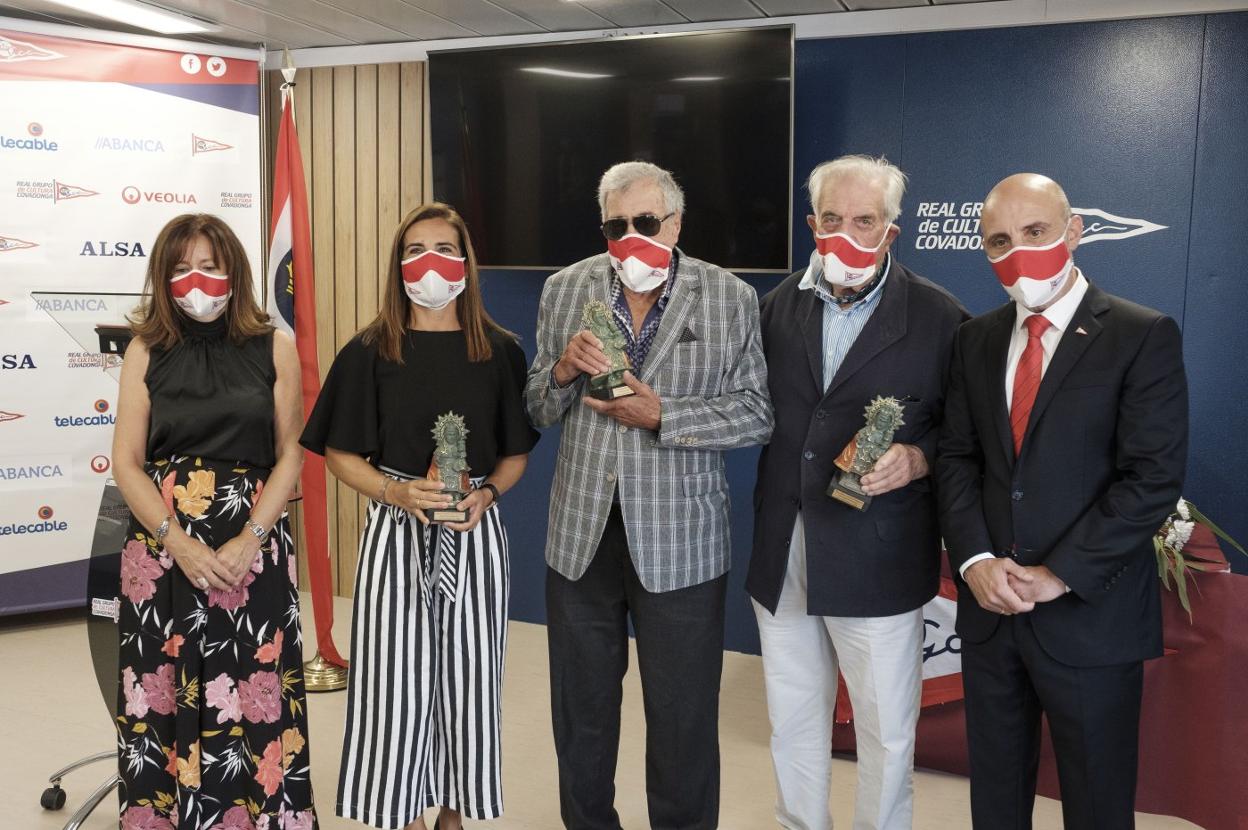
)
(212, 398)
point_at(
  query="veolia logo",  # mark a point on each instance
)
(131, 195)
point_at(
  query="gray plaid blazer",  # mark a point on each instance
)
(706, 364)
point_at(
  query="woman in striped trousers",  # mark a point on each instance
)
(430, 624)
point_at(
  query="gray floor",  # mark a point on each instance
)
(51, 713)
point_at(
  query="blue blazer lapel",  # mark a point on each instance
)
(998, 348)
(1069, 349)
(810, 313)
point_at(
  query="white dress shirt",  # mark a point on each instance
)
(1059, 316)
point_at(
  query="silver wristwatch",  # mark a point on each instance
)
(256, 530)
(162, 531)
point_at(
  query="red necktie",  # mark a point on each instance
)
(1027, 379)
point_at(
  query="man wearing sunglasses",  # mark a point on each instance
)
(639, 507)
(834, 587)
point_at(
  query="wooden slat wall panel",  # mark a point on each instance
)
(412, 133)
(362, 130)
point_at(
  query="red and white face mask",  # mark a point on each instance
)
(640, 262)
(1034, 274)
(845, 262)
(201, 296)
(432, 279)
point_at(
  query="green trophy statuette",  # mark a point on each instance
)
(609, 385)
(859, 456)
(450, 466)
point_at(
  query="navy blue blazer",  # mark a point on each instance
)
(1100, 468)
(885, 560)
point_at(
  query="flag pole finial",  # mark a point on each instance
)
(288, 67)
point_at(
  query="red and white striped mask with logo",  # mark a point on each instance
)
(1034, 274)
(640, 262)
(845, 262)
(201, 296)
(433, 279)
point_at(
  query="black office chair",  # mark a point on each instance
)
(103, 584)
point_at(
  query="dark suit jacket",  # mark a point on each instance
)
(1101, 466)
(885, 560)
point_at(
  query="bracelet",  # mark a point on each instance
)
(256, 530)
(163, 530)
(485, 485)
(385, 485)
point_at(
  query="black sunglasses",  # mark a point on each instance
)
(647, 224)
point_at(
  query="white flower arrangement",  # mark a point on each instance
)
(1172, 537)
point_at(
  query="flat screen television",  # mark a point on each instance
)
(521, 135)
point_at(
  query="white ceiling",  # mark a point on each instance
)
(312, 23)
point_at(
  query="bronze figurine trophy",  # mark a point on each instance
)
(859, 456)
(450, 466)
(609, 385)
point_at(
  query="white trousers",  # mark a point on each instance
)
(882, 661)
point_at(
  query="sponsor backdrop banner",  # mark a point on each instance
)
(100, 145)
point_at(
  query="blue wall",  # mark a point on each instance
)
(1144, 120)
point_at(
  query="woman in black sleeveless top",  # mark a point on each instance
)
(212, 726)
(430, 627)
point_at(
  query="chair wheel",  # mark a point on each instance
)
(53, 798)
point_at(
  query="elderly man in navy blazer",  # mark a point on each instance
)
(835, 588)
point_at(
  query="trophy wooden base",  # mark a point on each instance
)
(612, 393)
(609, 387)
(848, 490)
(442, 515)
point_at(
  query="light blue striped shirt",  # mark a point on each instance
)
(841, 324)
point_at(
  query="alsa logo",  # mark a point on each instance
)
(199, 144)
(130, 144)
(36, 141)
(12, 243)
(46, 524)
(101, 418)
(14, 51)
(112, 249)
(131, 195)
(55, 190)
(9, 416)
(17, 361)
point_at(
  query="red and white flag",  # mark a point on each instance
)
(292, 305)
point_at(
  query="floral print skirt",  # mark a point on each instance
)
(212, 731)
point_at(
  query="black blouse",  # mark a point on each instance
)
(212, 398)
(385, 411)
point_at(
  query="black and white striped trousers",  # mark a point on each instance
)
(424, 698)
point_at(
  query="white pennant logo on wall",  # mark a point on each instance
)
(13, 51)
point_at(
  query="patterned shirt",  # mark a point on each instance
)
(841, 324)
(638, 347)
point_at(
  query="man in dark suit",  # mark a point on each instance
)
(1062, 452)
(835, 587)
